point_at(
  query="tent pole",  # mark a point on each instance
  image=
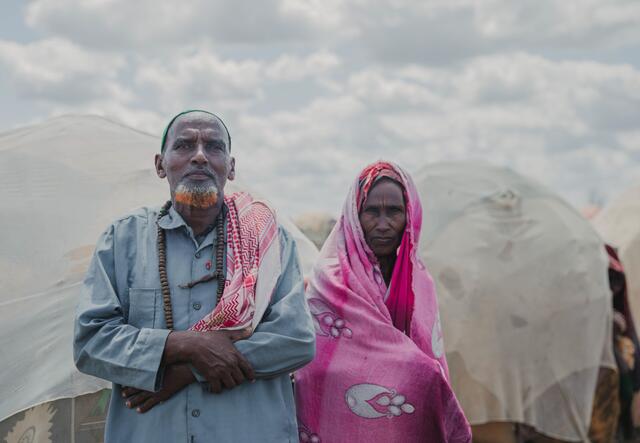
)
(73, 420)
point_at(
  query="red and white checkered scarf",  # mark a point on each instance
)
(253, 265)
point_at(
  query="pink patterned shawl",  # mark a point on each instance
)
(370, 382)
(253, 265)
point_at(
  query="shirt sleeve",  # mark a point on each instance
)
(285, 339)
(104, 344)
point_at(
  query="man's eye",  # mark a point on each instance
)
(216, 146)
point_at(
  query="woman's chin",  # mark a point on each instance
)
(383, 252)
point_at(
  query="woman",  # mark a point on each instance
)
(379, 374)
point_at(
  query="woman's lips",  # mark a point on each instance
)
(382, 240)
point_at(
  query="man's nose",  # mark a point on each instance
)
(199, 156)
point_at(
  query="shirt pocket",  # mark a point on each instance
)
(142, 307)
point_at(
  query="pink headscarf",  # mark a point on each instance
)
(370, 381)
(401, 296)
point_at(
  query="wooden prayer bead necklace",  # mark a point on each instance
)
(162, 263)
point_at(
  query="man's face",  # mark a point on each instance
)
(196, 160)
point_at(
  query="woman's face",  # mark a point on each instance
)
(383, 217)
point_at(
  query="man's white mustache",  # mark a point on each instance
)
(201, 171)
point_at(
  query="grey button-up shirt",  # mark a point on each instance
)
(120, 335)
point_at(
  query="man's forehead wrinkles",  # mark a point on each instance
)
(193, 133)
(186, 134)
(194, 117)
(211, 133)
(197, 124)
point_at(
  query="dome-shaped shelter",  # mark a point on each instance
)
(63, 182)
(524, 297)
(619, 225)
(316, 226)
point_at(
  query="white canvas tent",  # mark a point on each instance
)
(619, 225)
(524, 297)
(316, 226)
(63, 182)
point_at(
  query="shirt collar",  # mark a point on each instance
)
(171, 220)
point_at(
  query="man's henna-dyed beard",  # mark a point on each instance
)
(196, 196)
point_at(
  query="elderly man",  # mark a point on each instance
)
(195, 311)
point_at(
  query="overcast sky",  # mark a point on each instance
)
(314, 90)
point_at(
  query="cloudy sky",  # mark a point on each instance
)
(313, 90)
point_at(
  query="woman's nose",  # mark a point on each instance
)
(383, 224)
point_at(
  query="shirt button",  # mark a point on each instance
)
(197, 306)
(197, 255)
(195, 413)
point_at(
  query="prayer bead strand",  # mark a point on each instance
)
(220, 250)
(162, 264)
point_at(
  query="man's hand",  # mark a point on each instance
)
(213, 355)
(175, 378)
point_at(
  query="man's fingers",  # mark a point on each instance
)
(246, 333)
(237, 375)
(246, 368)
(128, 392)
(215, 386)
(137, 399)
(228, 381)
(148, 404)
(240, 334)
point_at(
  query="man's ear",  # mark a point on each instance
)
(232, 170)
(159, 166)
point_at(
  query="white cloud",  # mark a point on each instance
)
(313, 90)
(200, 79)
(630, 140)
(203, 79)
(302, 157)
(112, 23)
(291, 68)
(150, 23)
(57, 70)
(321, 14)
(436, 32)
(571, 23)
(554, 121)
(145, 120)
